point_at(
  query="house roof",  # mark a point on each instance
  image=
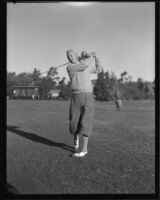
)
(24, 87)
(54, 91)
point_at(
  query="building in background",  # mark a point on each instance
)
(24, 92)
(53, 94)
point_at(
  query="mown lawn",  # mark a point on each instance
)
(121, 149)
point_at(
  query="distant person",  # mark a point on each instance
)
(82, 101)
(118, 100)
(14, 94)
(49, 96)
(23, 95)
(33, 96)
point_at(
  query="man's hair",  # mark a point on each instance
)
(71, 50)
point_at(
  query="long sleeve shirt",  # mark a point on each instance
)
(80, 76)
(117, 96)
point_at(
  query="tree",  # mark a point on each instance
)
(153, 87)
(62, 83)
(148, 89)
(130, 78)
(140, 84)
(24, 79)
(35, 77)
(46, 83)
(65, 89)
(11, 81)
(130, 91)
(101, 89)
(123, 76)
(104, 88)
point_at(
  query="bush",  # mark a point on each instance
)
(65, 93)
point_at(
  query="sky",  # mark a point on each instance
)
(122, 35)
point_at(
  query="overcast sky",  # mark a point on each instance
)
(122, 34)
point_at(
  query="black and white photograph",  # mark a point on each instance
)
(80, 98)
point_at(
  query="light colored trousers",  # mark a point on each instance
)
(81, 114)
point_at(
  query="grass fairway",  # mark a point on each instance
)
(121, 149)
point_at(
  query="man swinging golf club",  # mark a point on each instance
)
(82, 102)
(118, 100)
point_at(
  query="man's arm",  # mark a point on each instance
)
(77, 67)
(98, 67)
(88, 60)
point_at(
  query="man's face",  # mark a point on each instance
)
(72, 57)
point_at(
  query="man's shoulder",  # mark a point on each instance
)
(69, 66)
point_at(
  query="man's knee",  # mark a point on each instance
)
(72, 128)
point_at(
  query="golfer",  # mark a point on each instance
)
(82, 102)
(118, 100)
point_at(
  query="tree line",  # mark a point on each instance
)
(107, 83)
(104, 87)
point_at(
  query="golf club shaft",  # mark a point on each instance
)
(55, 68)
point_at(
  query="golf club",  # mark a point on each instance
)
(84, 54)
(55, 68)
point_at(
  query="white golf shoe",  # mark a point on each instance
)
(80, 154)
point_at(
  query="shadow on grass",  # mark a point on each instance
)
(102, 109)
(11, 190)
(36, 138)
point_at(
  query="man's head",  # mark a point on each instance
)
(72, 56)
